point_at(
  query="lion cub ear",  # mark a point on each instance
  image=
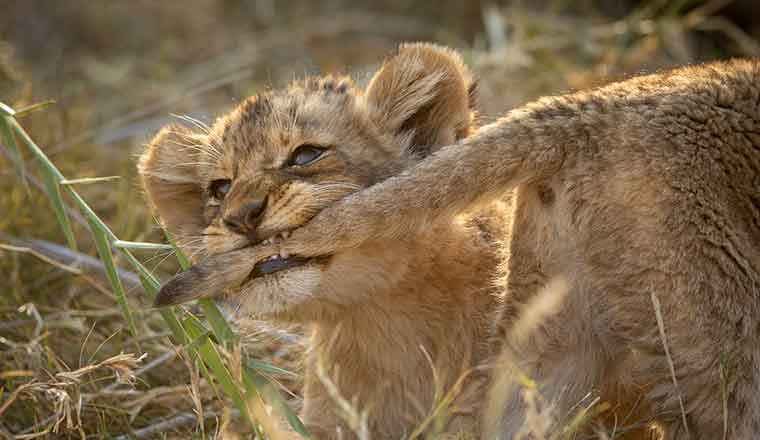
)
(424, 95)
(169, 174)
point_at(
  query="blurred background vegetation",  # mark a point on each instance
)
(118, 70)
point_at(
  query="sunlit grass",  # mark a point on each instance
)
(186, 329)
(55, 318)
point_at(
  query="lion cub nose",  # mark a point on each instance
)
(245, 218)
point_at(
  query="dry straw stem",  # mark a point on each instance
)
(63, 391)
(436, 419)
(539, 414)
(88, 180)
(122, 365)
(157, 429)
(661, 326)
(191, 329)
(63, 256)
(356, 420)
(45, 258)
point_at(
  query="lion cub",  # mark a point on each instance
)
(388, 316)
(642, 198)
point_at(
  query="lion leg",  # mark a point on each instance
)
(697, 375)
(541, 382)
(548, 350)
(717, 403)
(718, 387)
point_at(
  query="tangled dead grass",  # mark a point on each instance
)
(63, 390)
(68, 367)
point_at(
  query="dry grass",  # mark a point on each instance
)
(68, 364)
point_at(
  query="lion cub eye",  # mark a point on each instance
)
(305, 155)
(219, 188)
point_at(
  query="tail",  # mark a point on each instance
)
(526, 145)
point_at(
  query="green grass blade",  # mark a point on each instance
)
(101, 233)
(267, 368)
(80, 202)
(256, 382)
(180, 336)
(6, 110)
(178, 333)
(151, 286)
(144, 274)
(252, 379)
(222, 330)
(36, 151)
(184, 262)
(215, 363)
(51, 177)
(54, 194)
(141, 245)
(33, 108)
(221, 327)
(189, 329)
(104, 250)
(89, 180)
(13, 151)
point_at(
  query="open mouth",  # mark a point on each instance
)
(280, 262)
(276, 263)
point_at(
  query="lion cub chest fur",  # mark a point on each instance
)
(396, 323)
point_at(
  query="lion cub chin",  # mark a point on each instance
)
(396, 323)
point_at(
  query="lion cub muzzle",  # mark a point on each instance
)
(244, 220)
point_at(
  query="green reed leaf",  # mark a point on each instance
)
(267, 368)
(13, 151)
(188, 332)
(221, 327)
(214, 361)
(33, 108)
(54, 194)
(104, 250)
(121, 244)
(258, 383)
(6, 110)
(89, 180)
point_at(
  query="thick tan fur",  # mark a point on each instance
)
(387, 316)
(639, 193)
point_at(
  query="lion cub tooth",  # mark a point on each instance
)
(285, 234)
(284, 255)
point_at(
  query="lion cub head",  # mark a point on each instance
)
(280, 157)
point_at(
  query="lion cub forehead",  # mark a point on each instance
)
(323, 111)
